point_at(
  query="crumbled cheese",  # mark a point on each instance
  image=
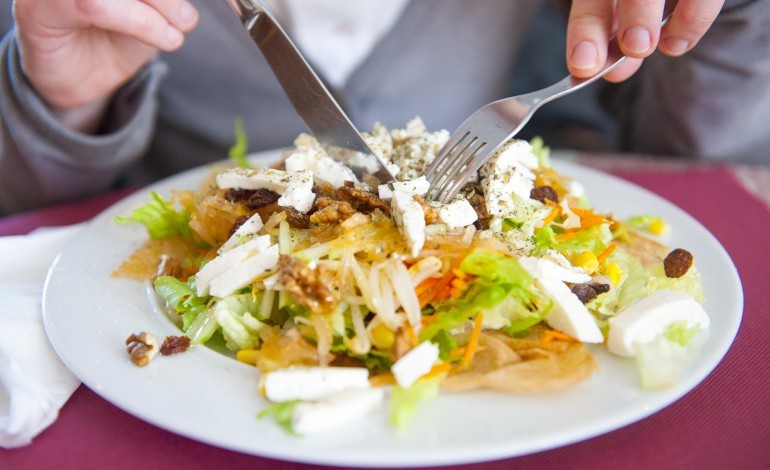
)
(246, 178)
(515, 153)
(458, 213)
(410, 218)
(414, 364)
(299, 192)
(417, 186)
(499, 190)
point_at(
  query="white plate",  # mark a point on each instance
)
(206, 396)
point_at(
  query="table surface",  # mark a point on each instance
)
(723, 423)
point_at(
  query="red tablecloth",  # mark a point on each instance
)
(723, 423)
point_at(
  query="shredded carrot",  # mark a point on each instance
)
(591, 221)
(606, 252)
(551, 215)
(381, 380)
(473, 341)
(437, 370)
(553, 335)
(566, 236)
(433, 289)
(428, 319)
(457, 352)
(583, 213)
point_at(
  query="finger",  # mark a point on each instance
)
(180, 13)
(688, 24)
(136, 19)
(625, 69)
(639, 26)
(588, 31)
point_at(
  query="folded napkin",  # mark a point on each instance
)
(34, 384)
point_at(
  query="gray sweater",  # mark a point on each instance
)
(441, 61)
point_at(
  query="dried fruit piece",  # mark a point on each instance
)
(544, 193)
(174, 345)
(584, 292)
(677, 263)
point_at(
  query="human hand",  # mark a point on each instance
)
(637, 23)
(76, 53)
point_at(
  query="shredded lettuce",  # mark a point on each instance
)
(541, 151)
(240, 327)
(237, 152)
(446, 343)
(282, 413)
(499, 279)
(690, 283)
(594, 238)
(404, 402)
(661, 362)
(160, 218)
(680, 333)
(182, 297)
(634, 283)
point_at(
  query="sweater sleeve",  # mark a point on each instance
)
(712, 103)
(43, 161)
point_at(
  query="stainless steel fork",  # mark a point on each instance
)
(486, 130)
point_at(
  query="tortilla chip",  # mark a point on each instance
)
(531, 364)
(649, 251)
(143, 263)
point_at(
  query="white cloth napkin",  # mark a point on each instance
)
(34, 384)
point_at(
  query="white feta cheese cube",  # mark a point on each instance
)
(568, 313)
(542, 268)
(312, 383)
(246, 178)
(414, 364)
(245, 272)
(515, 153)
(410, 218)
(650, 316)
(228, 260)
(417, 186)
(245, 232)
(344, 407)
(299, 192)
(458, 213)
(334, 172)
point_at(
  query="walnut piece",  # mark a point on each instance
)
(174, 345)
(330, 211)
(311, 288)
(142, 348)
(363, 201)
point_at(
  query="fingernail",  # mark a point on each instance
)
(637, 39)
(676, 46)
(187, 13)
(173, 36)
(585, 55)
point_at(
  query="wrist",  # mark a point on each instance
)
(86, 119)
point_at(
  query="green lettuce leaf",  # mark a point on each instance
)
(238, 151)
(182, 297)
(690, 283)
(160, 218)
(282, 413)
(404, 402)
(240, 327)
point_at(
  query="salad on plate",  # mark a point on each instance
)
(348, 296)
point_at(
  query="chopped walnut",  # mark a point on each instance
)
(402, 343)
(168, 266)
(311, 288)
(431, 213)
(330, 211)
(174, 345)
(363, 201)
(142, 348)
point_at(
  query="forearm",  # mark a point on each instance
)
(712, 103)
(43, 160)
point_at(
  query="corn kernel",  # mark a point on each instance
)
(613, 272)
(658, 227)
(249, 356)
(587, 261)
(382, 337)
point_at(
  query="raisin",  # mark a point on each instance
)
(238, 195)
(584, 292)
(261, 197)
(174, 345)
(296, 218)
(543, 193)
(677, 263)
(600, 288)
(237, 224)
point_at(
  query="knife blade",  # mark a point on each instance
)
(311, 99)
